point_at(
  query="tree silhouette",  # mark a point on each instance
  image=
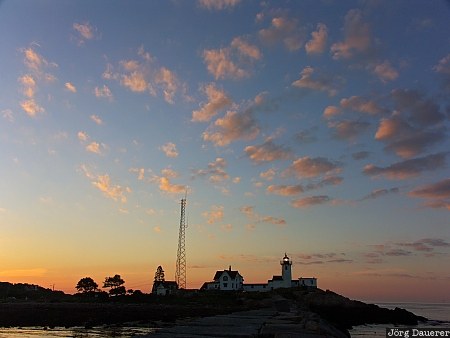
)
(159, 275)
(115, 284)
(86, 284)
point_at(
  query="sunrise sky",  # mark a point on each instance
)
(315, 128)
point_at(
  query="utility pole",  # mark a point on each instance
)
(180, 273)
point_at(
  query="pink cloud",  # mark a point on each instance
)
(331, 111)
(362, 105)
(357, 37)
(348, 130)
(221, 66)
(318, 42)
(216, 171)
(285, 30)
(218, 4)
(310, 201)
(318, 82)
(306, 167)
(385, 72)
(170, 149)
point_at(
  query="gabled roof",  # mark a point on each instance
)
(232, 274)
(167, 284)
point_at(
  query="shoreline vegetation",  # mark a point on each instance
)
(311, 311)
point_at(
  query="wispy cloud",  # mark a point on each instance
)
(84, 32)
(254, 217)
(217, 101)
(215, 215)
(218, 5)
(170, 149)
(385, 71)
(437, 194)
(380, 193)
(348, 129)
(232, 62)
(103, 183)
(103, 92)
(216, 171)
(70, 87)
(164, 182)
(96, 119)
(306, 202)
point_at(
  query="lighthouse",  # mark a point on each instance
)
(286, 272)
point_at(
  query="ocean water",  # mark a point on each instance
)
(438, 315)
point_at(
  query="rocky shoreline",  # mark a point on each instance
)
(280, 313)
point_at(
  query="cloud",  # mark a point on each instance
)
(31, 107)
(407, 168)
(169, 82)
(439, 189)
(170, 149)
(82, 136)
(268, 174)
(437, 194)
(443, 65)
(103, 183)
(404, 139)
(70, 87)
(422, 110)
(246, 49)
(85, 31)
(362, 105)
(357, 37)
(217, 100)
(96, 119)
(135, 81)
(267, 152)
(331, 111)
(348, 130)
(103, 92)
(29, 85)
(232, 127)
(307, 167)
(425, 244)
(8, 115)
(321, 82)
(214, 215)
(94, 147)
(319, 40)
(164, 182)
(231, 62)
(360, 155)
(380, 193)
(284, 30)
(285, 190)
(141, 175)
(217, 4)
(385, 72)
(254, 217)
(216, 171)
(310, 201)
(329, 180)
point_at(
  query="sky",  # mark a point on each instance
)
(319, 129)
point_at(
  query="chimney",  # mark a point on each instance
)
(229, 268)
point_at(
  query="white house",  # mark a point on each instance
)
(225, 280)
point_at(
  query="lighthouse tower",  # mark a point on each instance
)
(286, 272)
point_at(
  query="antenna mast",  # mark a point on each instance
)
(180, 273)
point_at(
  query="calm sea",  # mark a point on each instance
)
(439, 315)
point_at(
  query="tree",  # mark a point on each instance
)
(115, 284)
(159, 274)
(86, 284)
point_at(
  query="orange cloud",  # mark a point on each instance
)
(85, 31)
(31, 107)
(70, 87)
(268, 175)
(362, 105)
(385, 72)
(311, 167)
(216, 171)
(169, 82)
(96, 119)
(82, 136)
(215, 215)
(285, 190)
(254, 217)
(437, 194)
(170, 149)
(103, 183)
(220, 65)
(283, 30)
(310, 201)
(29, 85)
(135, 82)
(322, 82)
(232, 127)
(93, 147)
(331, 111)
(348, 130)
(246, 49)
(319, 40)
(267, 152)
(217, 100)
(357, 37)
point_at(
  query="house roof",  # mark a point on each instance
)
(166, 284)
(277, 278)
(232, 274)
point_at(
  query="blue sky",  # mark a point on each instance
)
(316, 128)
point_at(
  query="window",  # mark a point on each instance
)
(232, 285)
(225, 278)
(225, 285)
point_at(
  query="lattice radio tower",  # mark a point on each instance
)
(180, 273)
